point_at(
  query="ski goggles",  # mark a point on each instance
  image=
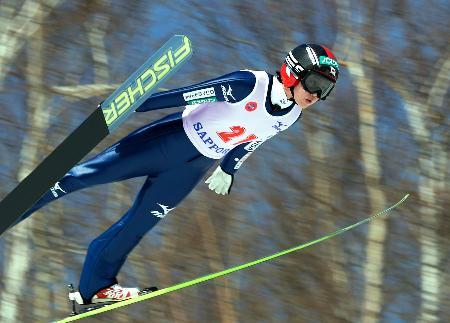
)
(314, 82)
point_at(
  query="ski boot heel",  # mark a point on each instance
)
(78, 304)
(74, 297)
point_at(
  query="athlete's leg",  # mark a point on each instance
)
(108, 252)
(138, 154)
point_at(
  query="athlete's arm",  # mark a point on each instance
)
(223, 177)
(218, 89)
(238, 155)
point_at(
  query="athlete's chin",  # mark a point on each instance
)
(305, 103)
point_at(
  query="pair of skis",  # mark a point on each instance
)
(153, 294)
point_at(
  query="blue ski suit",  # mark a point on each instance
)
(173, 166)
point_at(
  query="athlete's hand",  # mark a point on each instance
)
(220, 182)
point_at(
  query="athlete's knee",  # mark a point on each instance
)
(77, 178)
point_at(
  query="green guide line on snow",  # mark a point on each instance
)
(227, 271)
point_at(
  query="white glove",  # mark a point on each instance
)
(220, 182)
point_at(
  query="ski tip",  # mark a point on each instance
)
(180, 35)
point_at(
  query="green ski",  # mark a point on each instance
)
(227, 271)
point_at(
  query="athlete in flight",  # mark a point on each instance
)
(225, 118)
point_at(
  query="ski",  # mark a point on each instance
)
(109, 115)
(227, 271)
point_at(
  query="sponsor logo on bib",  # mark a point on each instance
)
(200, 96)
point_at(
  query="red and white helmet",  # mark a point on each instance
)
(310, 60)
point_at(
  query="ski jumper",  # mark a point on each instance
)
(227, 117)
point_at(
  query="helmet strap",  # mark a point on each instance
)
(292, 93)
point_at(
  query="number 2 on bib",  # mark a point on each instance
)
(236, 132)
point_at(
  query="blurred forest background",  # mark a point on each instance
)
(384, 133)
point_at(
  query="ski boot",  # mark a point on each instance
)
(106, 296)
